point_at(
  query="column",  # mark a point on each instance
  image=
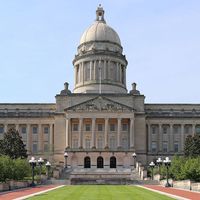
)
(119, 133)
(170, 139)
(79, 73)
(93, 133)
(160, 138)
(28, 139)
(80, 143)
(124, 75)
(117, 71)
(120, 73)
(75, 71)
(90, 70)
(108, 72)
(106, 132)
(94, 75)
(40, 139)
(17, 127)
(83, 72)
(132, 133)
(5, 128)
(149, 137)
(182, 138)
(67, 132)
(51, 137)
(105, 70)
(193, 129)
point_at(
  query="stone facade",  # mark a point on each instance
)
(100, 124)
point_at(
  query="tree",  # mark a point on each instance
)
(12, 145)
(192, 146)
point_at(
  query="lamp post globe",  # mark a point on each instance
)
(159, 162)
(32, 162)
(152, 165)
(134, 155)
(40, 163)
(65, 157)
(167, 163)
(48, 166)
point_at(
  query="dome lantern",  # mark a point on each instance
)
(100, 14)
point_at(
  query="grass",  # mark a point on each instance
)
(100, 192)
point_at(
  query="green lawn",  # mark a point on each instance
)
(101, 192)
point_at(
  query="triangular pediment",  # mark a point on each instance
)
(101, 104)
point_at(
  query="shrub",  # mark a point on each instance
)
(13, 169)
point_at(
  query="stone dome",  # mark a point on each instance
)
(100, 31)
(100, 66)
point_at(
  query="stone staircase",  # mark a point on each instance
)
(116, 176)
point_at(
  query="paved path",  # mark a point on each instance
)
(17, 194)
(181, 193)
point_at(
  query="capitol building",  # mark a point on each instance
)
(100, 124)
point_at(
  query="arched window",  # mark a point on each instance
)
(87, 163)
(100, 162)
(113, 162)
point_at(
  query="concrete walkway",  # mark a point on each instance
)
(183, 194)
(26, 192)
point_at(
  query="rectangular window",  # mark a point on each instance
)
(176, 147)
(23, 129)
(35, 130)
(100, 127)
(1, 129)
(100, 143)
(46, 129)
(165, 146)
(35, 148)
(87, 143)
(46, 147)
(87, 127)
(124, 127)
(75, 127)
(112, 127)
(124, 143)
(75, 143)
(113, 144)
(197, 130)
(165, 130)
(153, 147)
(176, 129)
(187, 129)
(154, 130)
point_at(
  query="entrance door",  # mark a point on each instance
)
(99, 162)
(113, 162)
(87, 162)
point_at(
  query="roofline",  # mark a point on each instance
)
(172, 104)
(27, 103)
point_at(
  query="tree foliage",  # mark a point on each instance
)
(12, 145)
(192, 146)
(183, 168)
(13, 169)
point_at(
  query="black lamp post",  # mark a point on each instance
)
(32, 162)
(40, 163)
(159, 162)
(65, 156)
(167, 163)
(48, 166)
(152, 165)
(134, 155)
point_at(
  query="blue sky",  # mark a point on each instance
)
(161, 40)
